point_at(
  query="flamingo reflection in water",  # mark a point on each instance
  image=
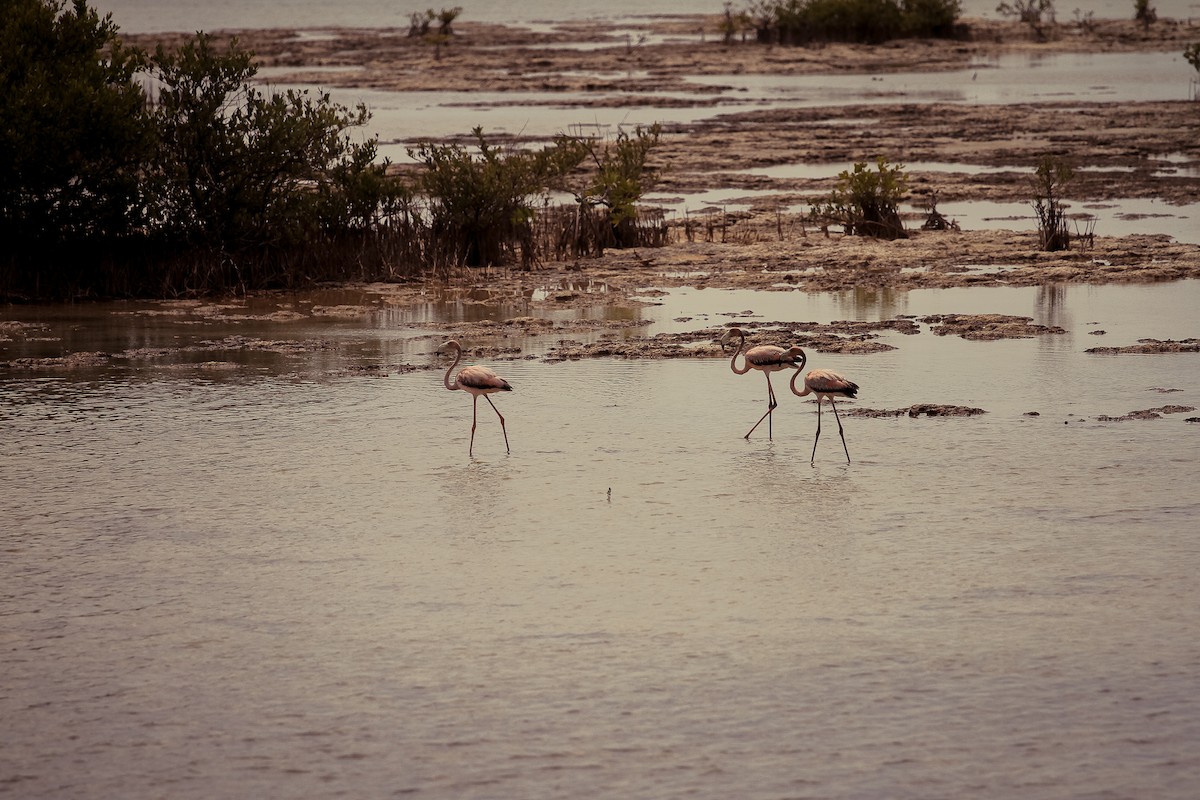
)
(476, 380)
(768, 358)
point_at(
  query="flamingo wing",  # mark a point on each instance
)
(827, 381)
(482, 379)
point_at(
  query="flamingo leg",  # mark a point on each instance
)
(840, 432)
(818, 436)
(503, 429)
(474, 419)
(771, 404)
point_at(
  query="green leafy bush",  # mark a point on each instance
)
(867, 203)
(619, 175)
(1191, 54)
(1144, 13)
(1051, 178)
(236, 167)
(481, 201)
(803, 21)
(73, 129)
(206, 182)
(1039, 15)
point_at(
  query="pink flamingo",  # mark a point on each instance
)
(767, 358)
(476, 381)
(826, 383)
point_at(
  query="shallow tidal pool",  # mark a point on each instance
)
(279, 578)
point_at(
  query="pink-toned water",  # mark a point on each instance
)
(180, 15)
(270, 575)
(247, 573)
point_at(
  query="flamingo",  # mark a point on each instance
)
(476, 380)
(825, 383)
(767, 358)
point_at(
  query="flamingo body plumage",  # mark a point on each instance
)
(766, 358)
(477, 381)
(824, 384)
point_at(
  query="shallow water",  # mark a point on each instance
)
(398, 117)
(139, 16)
(1007, 79)
(276, 581)
(246, 573)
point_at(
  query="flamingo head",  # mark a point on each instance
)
(729, 335)
(797, 356)
(451, 346)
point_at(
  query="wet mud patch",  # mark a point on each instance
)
(11, 328)
(926, 260)
(81, 360)
(203, 366)
(704, 343)
(1151, 347)
(987, 327)
(173, 358)
(538, 326)
(281, 346)
(1148, 413)
(657, 348)
(917, 410)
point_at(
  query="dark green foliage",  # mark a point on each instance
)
(868, 21)
(1039, 15)
(1191, 54)
(843, 20)
(481, 203)
(1144, 13)
(867, 203)
(1052, 176)
(73, 131)
(931, 18)
(237, 168)
(620, 175)
(213, 184)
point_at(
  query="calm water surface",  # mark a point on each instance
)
(282, 579)
(244, 573)
(183, 15)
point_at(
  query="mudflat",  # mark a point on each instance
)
(1122, 148)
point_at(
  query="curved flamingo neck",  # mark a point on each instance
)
(792, 384)
(733, 361)
(446, 379)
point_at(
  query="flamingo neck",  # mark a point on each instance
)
(733, 361)
(446, 379)
(807, 390)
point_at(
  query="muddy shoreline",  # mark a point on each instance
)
(1124, 145)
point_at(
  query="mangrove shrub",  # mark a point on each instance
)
(481, 200)
(74, 133)
(619, 175)
(866, 21)
(239, 168)
(865, 202)
(1050, 180)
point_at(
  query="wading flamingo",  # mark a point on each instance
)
(767, 358)
(476, 381)
(825, 383)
